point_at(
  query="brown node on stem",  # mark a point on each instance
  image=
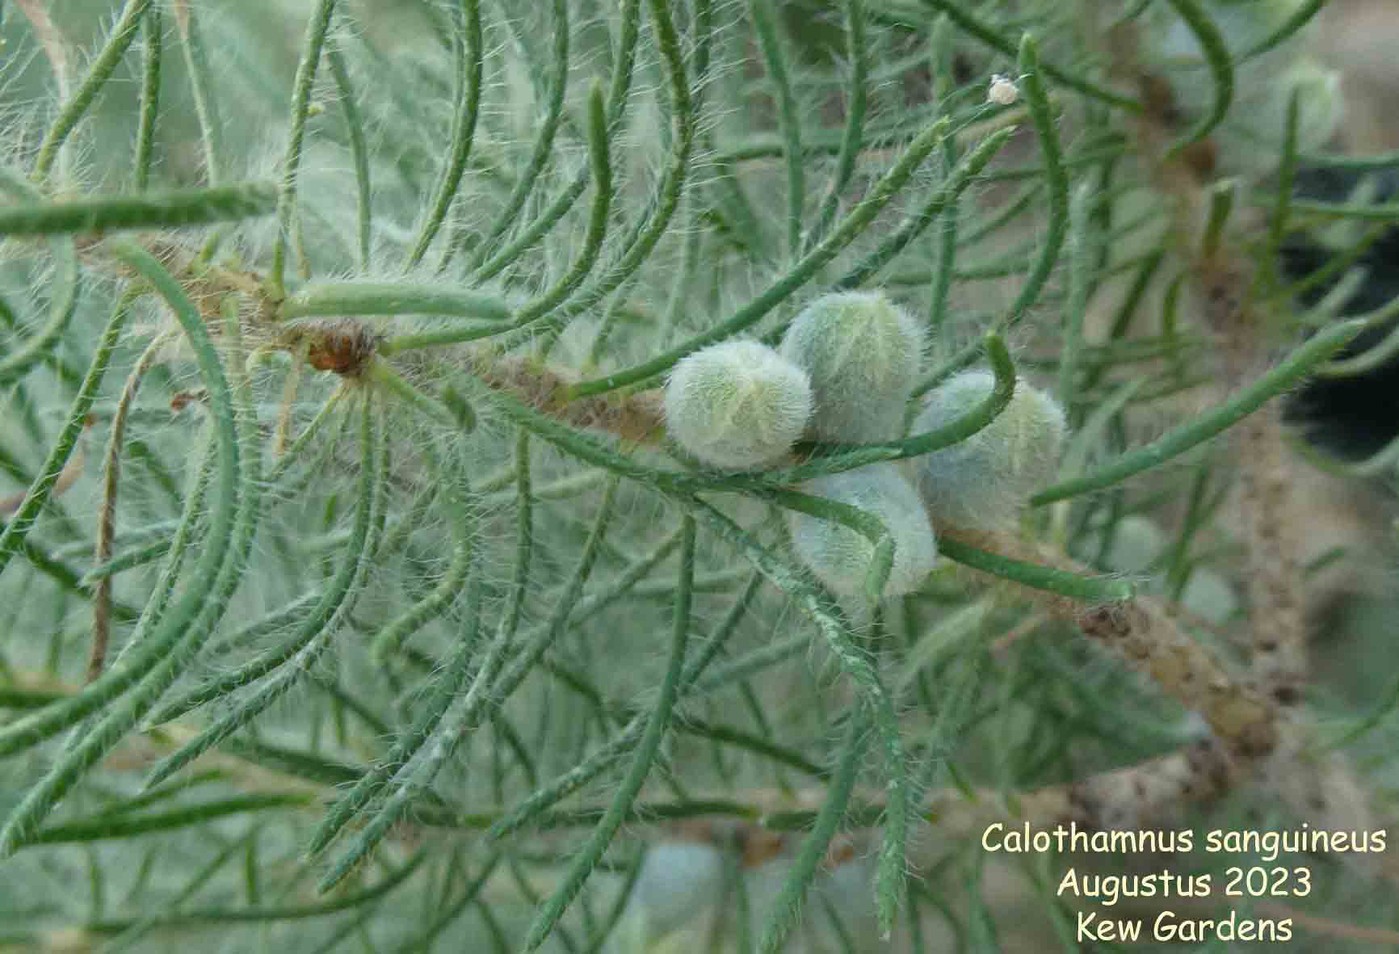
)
(183, 399)
(343, 346)
(758, 847)
(755, 845)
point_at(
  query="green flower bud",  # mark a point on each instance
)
(984, 481)
(862, 352)
(1320, 108)
(840, 556)
(737, 405)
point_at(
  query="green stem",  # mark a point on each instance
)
(295, 656)
(159, 659)
(862, 522)
(25, 516)
(103, 66)
(789, 900)
(989, 35)
(1081, 248)
(316, 29)
(124, 825)
(587, 858)
(543, 147)
(152, 37)
(546, 796)
(798, 275)
(856, 103)
(600, 165)
(359, 152)
(788, 116)
(192, 917)
(652, 225)
(392, 298)
(1300, 17)
(201, 91)
(1211, 424)
(166, 209)
(1056, 182)
(1221, 66)
(957, 181)
(1047, 578)
(858, 665)
(63, 299)
(617, 93)
(442, 692)
(471, 58)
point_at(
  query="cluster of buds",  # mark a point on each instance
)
(845, 372)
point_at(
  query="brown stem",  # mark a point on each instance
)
(1276, 616)
(1227, 289)
(1148, 639)
(638, 418)
(107, 510)
(1277, 621)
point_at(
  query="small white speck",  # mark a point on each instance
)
(1002, 91)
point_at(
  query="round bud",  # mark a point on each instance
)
(862, 352)
(983, 481)
(1137, 542)
(1320, 107)
(737, 405)
(840, 556)
(1209, 596)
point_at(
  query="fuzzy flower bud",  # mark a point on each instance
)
(862, 352)
(737, 405)
(983, 482)
(840, 556)
(1320, 106)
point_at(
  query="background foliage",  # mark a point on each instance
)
(350, 594)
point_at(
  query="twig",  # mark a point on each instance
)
(1229, 296)
(637, 418)
(1145, 636)
(107, 514)
(1318, 786)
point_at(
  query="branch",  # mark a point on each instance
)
(1143, 634)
